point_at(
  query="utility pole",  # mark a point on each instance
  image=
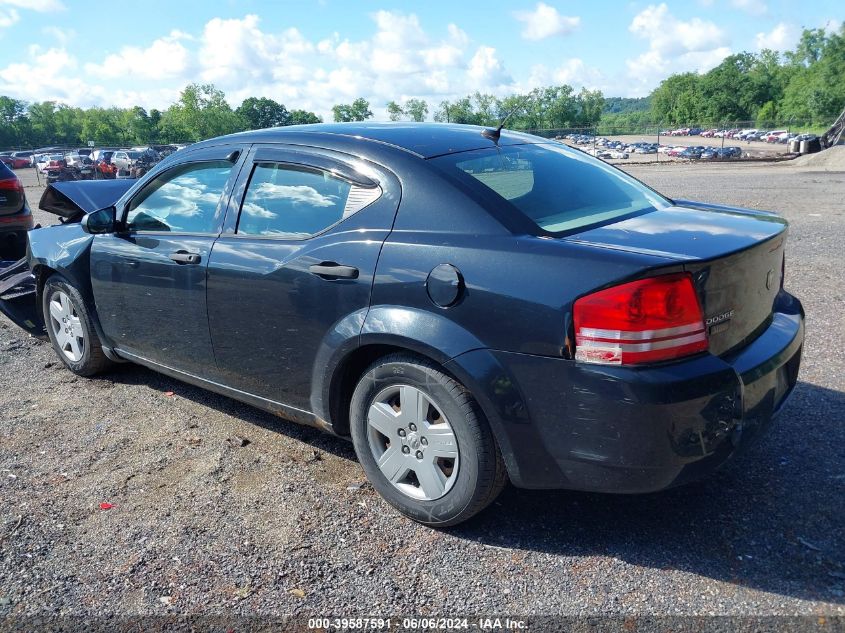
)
(659, 125)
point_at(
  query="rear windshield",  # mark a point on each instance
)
(559, 189)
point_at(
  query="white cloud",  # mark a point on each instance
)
(782, 37)
(52, 75)
(486, 72)
(8, 17)
(165, 58)
(41, 6)
(59, 35)
(753, 7)
(237, 51)
(545, 21)
(398, 59)
(674, 46)
(669, 35)
(572, 71)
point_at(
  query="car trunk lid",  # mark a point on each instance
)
(734, 255)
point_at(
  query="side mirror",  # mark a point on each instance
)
(98, 222)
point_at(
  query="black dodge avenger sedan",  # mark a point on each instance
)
(469, 305)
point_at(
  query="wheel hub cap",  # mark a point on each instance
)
(412, 442)
(67, 327)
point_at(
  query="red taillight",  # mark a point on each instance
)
(642, 321)
(11, 184)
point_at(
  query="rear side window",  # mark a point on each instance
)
(293, 202)
(183, 199)
(559, 189)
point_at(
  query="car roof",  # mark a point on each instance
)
(423, 139)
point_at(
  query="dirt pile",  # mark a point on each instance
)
(832, 159)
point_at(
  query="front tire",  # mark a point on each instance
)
(423, 442)
(71, 329)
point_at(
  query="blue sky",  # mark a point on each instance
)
(314, 54)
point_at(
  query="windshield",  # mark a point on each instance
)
(133, 154)
(557, 188)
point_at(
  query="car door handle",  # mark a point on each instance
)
(184, 257)
(333, 270)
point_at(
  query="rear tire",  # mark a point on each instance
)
(423, 442)
(71, 328)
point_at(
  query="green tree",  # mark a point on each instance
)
(767, 114)
(262, 113)
(358, 110)
(413, 109)
(816, 91)
(303, 117)
(561, 108)
(201, 112)
(104, 126)
(461, 111)
(514, 109)
(677, 99)
(394, 111)
(416, 109)
(590, 106)
(809, 49)
(42, 118)
(136, 125)
(14, 124)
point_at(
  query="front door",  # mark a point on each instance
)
(295, 265)
(149, 279)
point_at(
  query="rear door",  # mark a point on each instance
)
(149, 280)
(295, 262)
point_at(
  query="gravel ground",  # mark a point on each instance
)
(285, 525)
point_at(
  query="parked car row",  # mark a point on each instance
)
(683, 131)
(614, 149)
(609, 148)
(108, 161)
(701, 152)
(105, 162)
(749, 134)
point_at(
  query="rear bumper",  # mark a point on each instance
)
(627, 430)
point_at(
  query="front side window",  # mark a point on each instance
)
(292, 202)
(557, 188)
(183, 199)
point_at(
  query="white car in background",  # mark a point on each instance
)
(45, 159)
(125, 158)
(75, 159)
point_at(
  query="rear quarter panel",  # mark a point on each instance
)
(518, 289)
